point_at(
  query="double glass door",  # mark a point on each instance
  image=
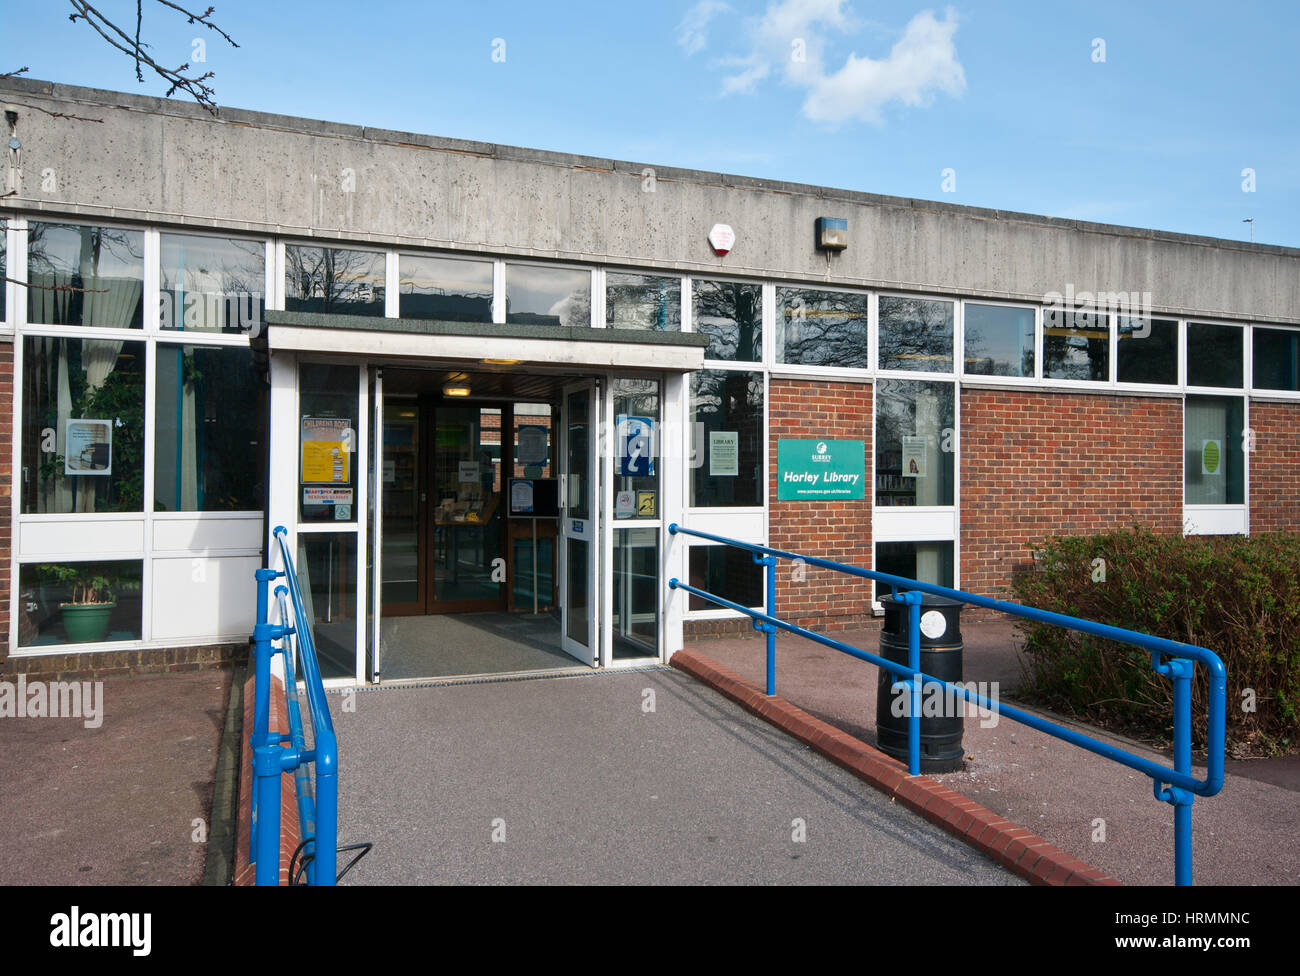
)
(443, 538)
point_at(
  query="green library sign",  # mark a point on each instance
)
(820, 470)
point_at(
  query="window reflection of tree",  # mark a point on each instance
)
(334, 280)
(909, 408)
(643, 302)
(822, 328)
(1076, 345)
(212, 284)
(915, 334)
(85, 275)
(730, 313)
(727, 400)
(980, 334)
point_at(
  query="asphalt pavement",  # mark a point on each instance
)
(616, 777)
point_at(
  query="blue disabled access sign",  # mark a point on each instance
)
(820, 470)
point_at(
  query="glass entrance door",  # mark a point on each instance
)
(467, 566)
(579, 520)
(442, 494)
(400, 512)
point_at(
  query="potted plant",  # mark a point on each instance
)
(85, 616)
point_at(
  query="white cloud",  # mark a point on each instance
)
(691, 36)
(791, 39)
(744, 82)
(922, 63)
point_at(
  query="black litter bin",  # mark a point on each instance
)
(941, 657)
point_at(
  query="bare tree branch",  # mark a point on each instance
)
(200, 19)
(28, 284)
(56, 115)
(136, 49)
(14, 74)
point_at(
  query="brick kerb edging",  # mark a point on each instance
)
(245, 872)
(1007, 843)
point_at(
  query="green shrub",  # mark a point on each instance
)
(1237, 596)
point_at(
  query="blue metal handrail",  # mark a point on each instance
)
(1176, 786)
(317, 802)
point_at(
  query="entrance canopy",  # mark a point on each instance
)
(482, 342)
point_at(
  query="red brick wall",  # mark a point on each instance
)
(801, 410)
(290, 829)
(1275, 467)
(1036, 464)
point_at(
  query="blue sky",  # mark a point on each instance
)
(1014, 98)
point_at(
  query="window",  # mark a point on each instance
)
(1076, 345)
(916, 334)
(915, 443)
(83, 425)
(537, 295)
(211, 284)
(1147, 351)
(727, 438)
(926, 562)
(635, 456)
(635, 596)
(1214, 355)
(209, 423)
(332, 280)
(1215, 465)
(821, 328)
(84, 275)
(730, 313)
(327, 575)
(634, 301)
(78, 602)
(327, 475)
(444, 289)
(727, 572)
(1277, 359)
(999, 340)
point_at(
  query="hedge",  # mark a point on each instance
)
(1238, 596)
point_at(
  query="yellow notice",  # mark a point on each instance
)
(325, 450)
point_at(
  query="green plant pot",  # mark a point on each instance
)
(85, 623)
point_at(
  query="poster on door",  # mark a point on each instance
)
(326, 450)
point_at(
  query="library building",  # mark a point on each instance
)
(477, 384)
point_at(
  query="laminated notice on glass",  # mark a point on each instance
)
(326, 448)
(645, 504)
(1211, 457)
(88, 447)
(724, 453)
(327, 496)
(624, 504)
(914, 456)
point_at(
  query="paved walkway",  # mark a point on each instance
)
(113, 804)
(1249, 834)
(587, 786)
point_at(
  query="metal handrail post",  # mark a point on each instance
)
(769, 632)
(325, 863)
(1181, 670)
(263, 633)
(913, 601)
